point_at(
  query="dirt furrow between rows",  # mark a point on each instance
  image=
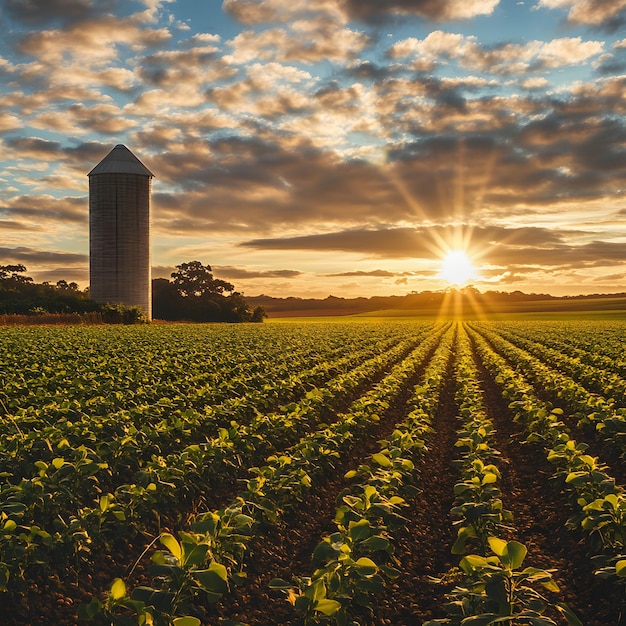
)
(423, 545)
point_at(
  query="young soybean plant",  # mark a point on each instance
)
(497, 591)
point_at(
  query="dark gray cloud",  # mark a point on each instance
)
(416, 242)
(374, 11)
(572, 257)
(367, 70)
(34, 147)
(43, 12)
(44, 212)
(26, 255)
(373, 273)
(234, 273)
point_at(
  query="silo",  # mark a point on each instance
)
(119, 231)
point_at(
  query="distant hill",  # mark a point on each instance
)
(467, 300)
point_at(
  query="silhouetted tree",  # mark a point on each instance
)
(195, 279)
(195, 295)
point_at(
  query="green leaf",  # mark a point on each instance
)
(212, 580)
(515, 554)
(302, 603)
(9, 526)
(194, 554)
(550, 585)
(390, 572)
(497, 545)
(279, 583)
(316, 591)
(359, 530)
(186, 621)
(327, 607)
(219, 570)
(496, 591)
(489, 478)
(471, 562)
(58, 463)
(376, 542)
(169, 541)
(118, 589)
(620, 568)
(366, 566)
(381, 459)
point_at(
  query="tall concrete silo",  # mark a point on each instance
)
(119, 231)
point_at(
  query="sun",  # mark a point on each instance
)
(456, 268)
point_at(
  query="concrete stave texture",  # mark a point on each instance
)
(119, 231)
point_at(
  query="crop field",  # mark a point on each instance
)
(398, 472)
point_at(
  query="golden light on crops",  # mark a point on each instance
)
(457, 268)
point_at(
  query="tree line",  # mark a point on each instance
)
(193, 295)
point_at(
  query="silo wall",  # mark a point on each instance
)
(119, 240)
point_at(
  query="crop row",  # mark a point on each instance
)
(599, 343)
(491, 586)
(608, 418)
(600, 502)
(601, 381)
(593, 350)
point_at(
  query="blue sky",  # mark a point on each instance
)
(322, 147)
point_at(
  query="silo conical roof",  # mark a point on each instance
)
(121, 161)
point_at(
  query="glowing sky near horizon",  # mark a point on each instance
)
(318, 147)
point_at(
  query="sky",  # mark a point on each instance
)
(325, 147)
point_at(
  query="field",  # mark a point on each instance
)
(365, 472)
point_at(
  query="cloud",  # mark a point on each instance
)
(436, 10)
(373, 273)
(90, 41)
(419, 242)
(9, 122)
(45, 11)
(610, 14)
(28, 256)
(504, 58)
(369, 11)
(35, 147)
(46, 211)
(308, 42)
(305, 128)
(234, 273)
(252, 12)
(466, 159)
(574, 257)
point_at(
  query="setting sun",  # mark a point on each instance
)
(456, 268)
